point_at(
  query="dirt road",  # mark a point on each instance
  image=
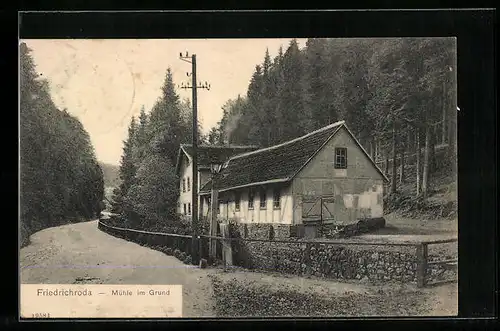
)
(80, 253)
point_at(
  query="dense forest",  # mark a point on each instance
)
(61, 180)
(396, 95)
(110, 174)
(147, 195)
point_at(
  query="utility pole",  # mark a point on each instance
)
(194, 204)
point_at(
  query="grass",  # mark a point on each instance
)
(240, 293)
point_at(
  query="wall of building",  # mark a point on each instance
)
(270, 214)
(204, 176)
(185, 171)
(357, 191)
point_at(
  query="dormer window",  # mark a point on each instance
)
(183, 185)
(188, 185)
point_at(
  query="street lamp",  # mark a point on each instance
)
(215, 169)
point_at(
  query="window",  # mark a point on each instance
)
(185, 209)
(183, 185)
(237, 199)
(189, 208)
(188, 185)
(219, 206)
(263, 199)
(340, 158)
(276, 198)
(250, 199)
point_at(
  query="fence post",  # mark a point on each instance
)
(307, 260)
(201, 254)
(421, 264)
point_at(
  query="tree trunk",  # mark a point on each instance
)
(425, 171)
(372, 148)
(432, 152)
(402, 163)
(452, 138)
(394, 169)
(452, 126)
(386, 166)
(443, 123)
(417, 156)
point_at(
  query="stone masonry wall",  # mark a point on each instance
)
(372, 263)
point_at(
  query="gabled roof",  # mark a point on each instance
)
(211, 153)
(279, 163)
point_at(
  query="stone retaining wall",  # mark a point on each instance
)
(336, 261)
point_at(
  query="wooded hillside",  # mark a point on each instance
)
(110, 174)
(396, 95)
(61, 180)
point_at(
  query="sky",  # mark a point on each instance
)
(106, 82)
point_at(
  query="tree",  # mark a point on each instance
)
(389, 91)
(128, 165)
(140, 141)
(61, 180)
(165, 128)
(151, 201)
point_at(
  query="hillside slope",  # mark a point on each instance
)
(442, 201)
(111, 175)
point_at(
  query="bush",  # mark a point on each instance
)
(188, 260)
(241, 254)
(169, 251)
(177, 253)
(182, 256)
(25, 235)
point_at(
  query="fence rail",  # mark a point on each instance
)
(165, 240)
(184, 243)
(317, 242)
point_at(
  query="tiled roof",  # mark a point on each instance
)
(211, 153)
(279, 163)
(276, 163)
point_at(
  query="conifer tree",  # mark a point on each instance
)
(61, 180)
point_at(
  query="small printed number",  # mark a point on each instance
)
(40, 315)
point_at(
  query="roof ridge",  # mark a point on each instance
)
(222, 146)
(338, 123)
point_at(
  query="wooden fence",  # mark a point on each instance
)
(167, 240)
(424, 263)
(184, 244)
